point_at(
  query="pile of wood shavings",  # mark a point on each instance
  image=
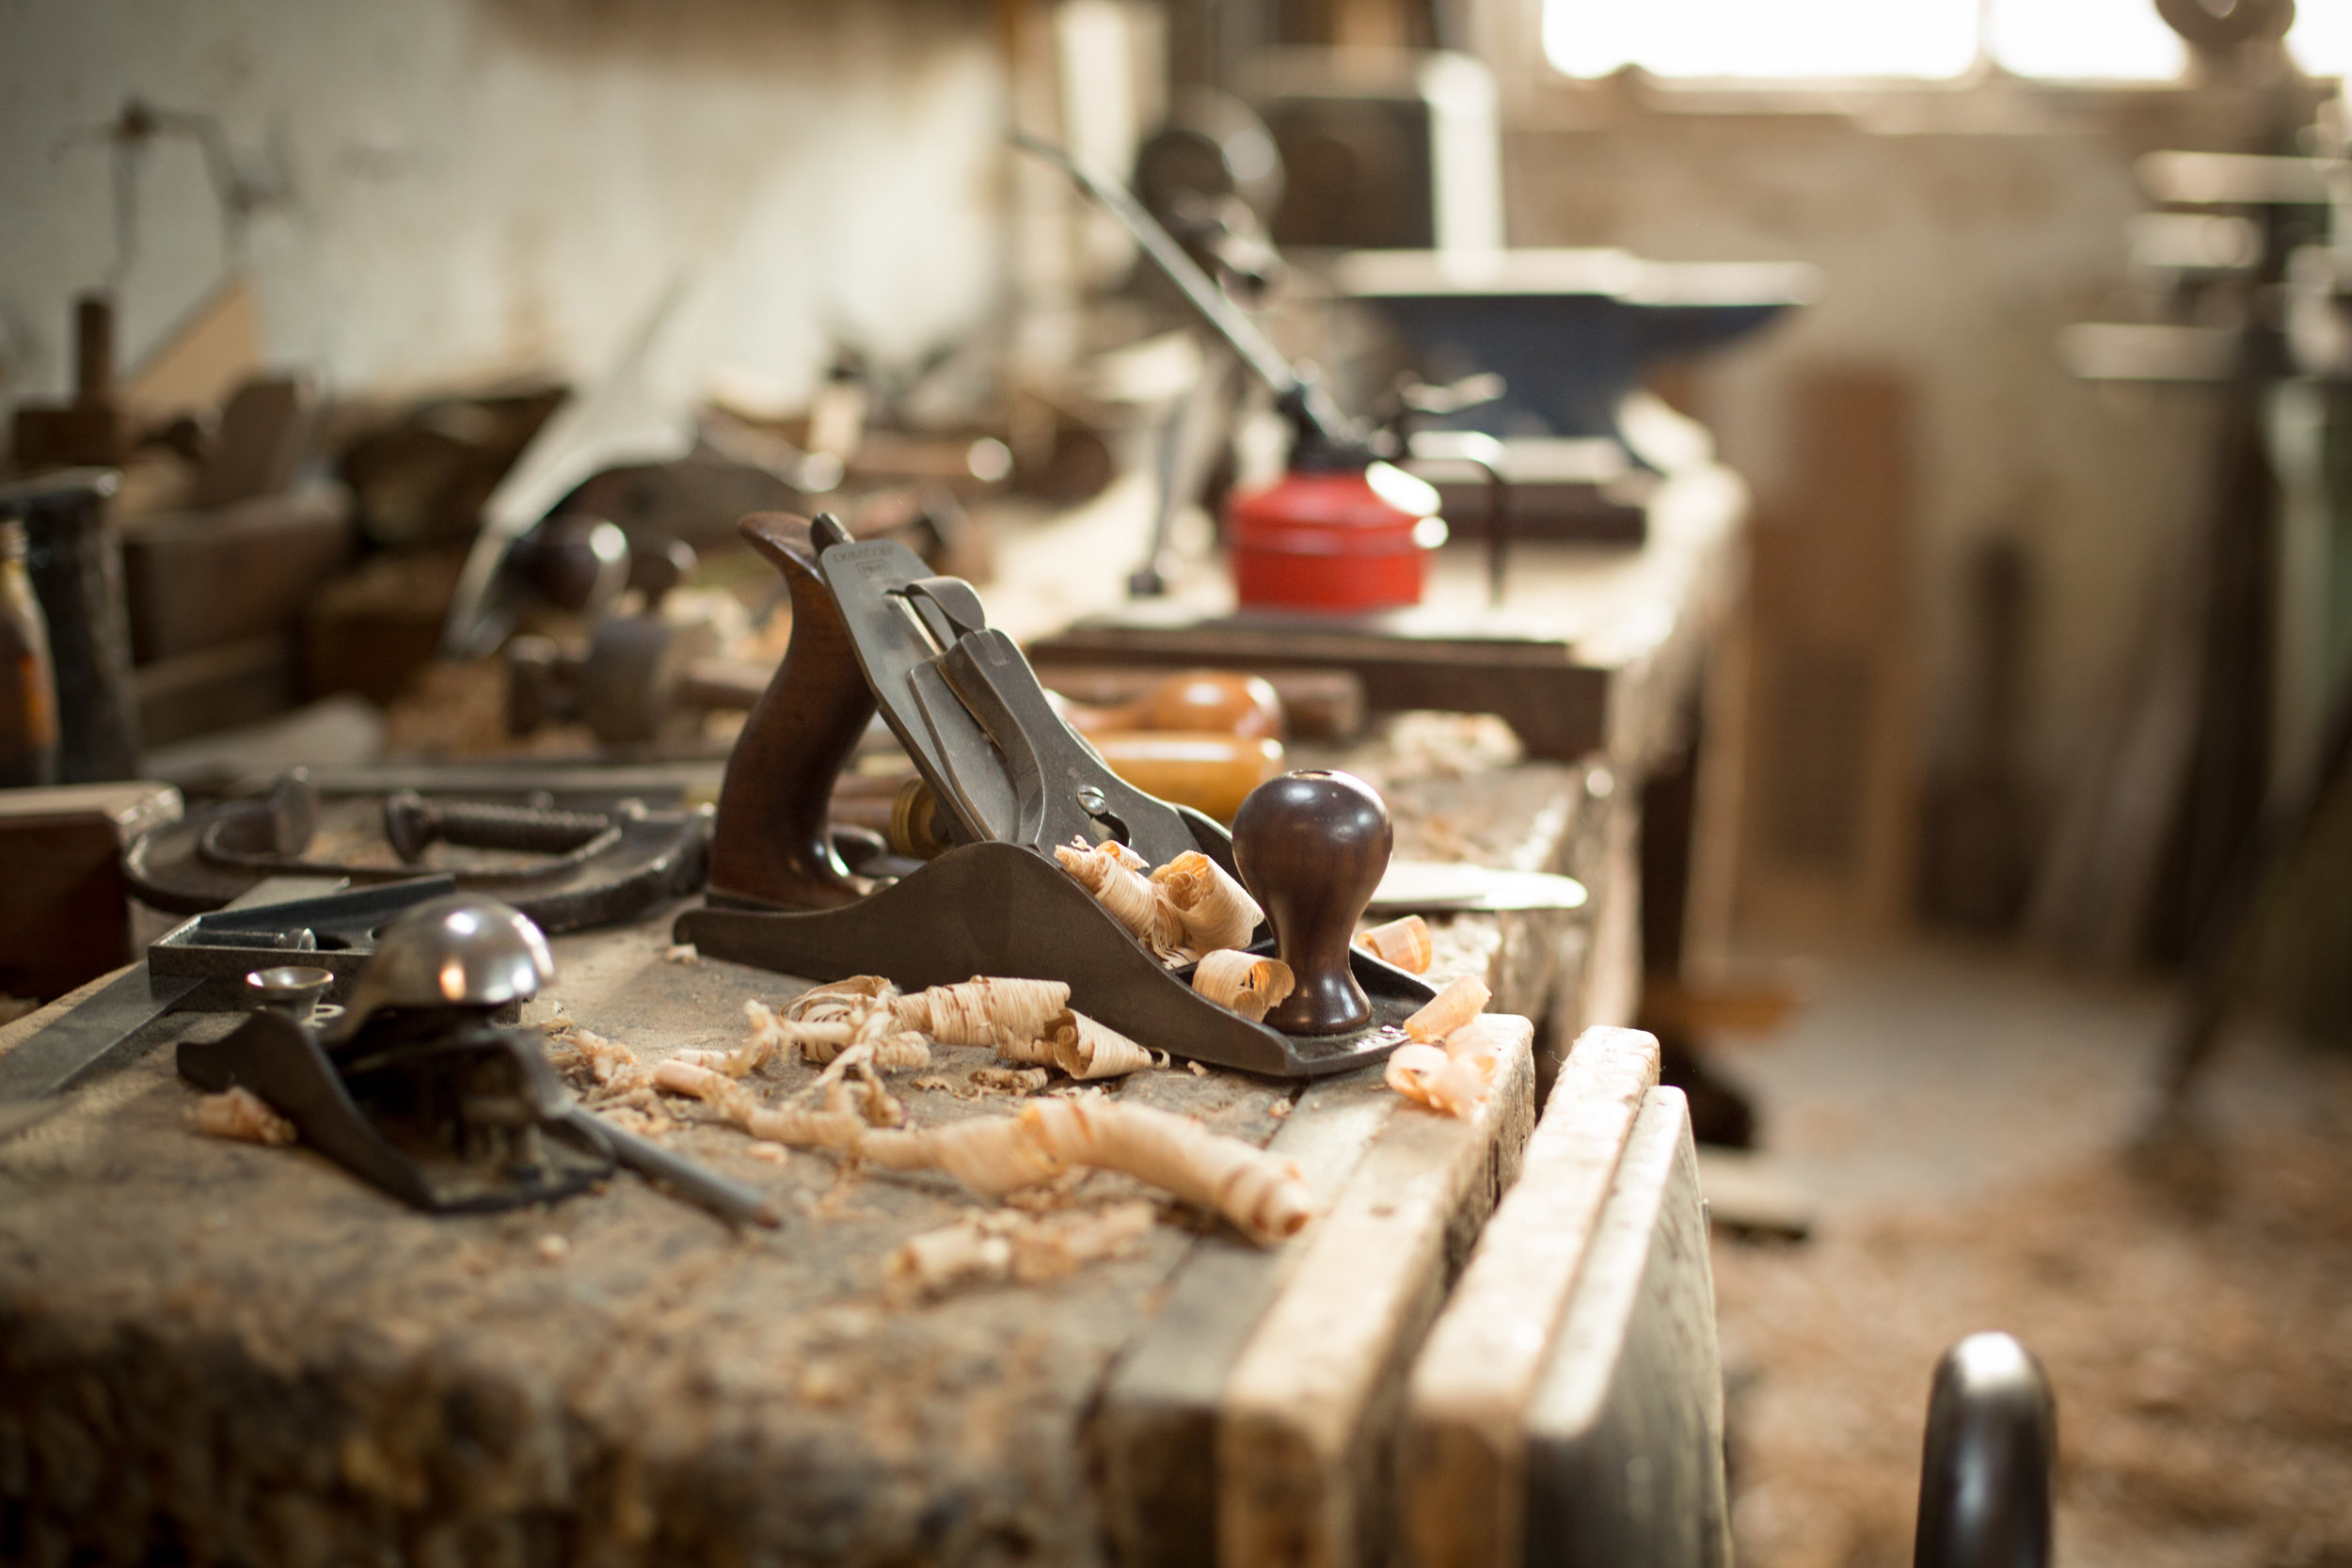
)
(991, 1246)
(2194, 1312)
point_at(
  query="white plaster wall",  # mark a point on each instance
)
(477, 186)
(1955, 258)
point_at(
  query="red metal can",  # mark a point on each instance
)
(1325, 540)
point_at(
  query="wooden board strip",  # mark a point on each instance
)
(1460, 1478)
(1153, 1433)
(1624, 1462)
(1304, 1435)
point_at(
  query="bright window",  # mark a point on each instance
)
(1812, 41)
(1787, 38)
(2322, 38)
(2083, 39)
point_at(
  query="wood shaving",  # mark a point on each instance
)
(1028, 1021)
(1249, 983)
(1088, 1049)
(1456, 1077)
(1463, 999)
(1196, 1069)
(983, 1011)
(1025, 1080)
(591, 1061)
(822, 1032)
(1139, 905)
(1280, 1109)
(775, 1154)
(1210, 906)
(932, 1081)
(850, 1082)
(1403, 942)
(1082, 1048)
(796, 1126)
(242, 1116)
(993, 1247)
(1263, 1195)
(683, 953)
(652, 1123)
(1119, 852)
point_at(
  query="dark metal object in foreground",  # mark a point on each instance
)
(600, 867)
(451, 1114)
(420, 1089)
(202, 965)
(871, 628)
(412, 825)
(1991, 1447)
(74, 557)
(79, 1043)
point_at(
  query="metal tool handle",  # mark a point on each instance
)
(723, 1195)
(1991, 1442)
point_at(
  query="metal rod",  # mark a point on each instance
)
(1311, 403)
(697, 1184)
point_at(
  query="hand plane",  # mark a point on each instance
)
(873, 630)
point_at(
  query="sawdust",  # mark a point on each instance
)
(242, 1116)
(2194, 1310)
(994, 1246)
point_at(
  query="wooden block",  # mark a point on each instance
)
(1624, 1439)
(265, 430)
(64, 908)
(1461, 1473)
(197, 580)
(1317, 705)
(201, 360)
(214, 689)
(1304, 1437)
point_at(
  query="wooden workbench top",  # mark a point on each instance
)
(245, 1352)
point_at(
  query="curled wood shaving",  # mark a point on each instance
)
(242, 1115)
(990, 1247)
(1082, 1048)
(1263, 1195)
(1023, 1079)
(648, 1123)
(1249, 983)
(1403, 942)
(593, 1061)
(1455, 1077)
(1260, 1194)
(822, 1032)
(850, 1082)
(793, 1126)
(984, 1011)
(1085, 1049)
(1139, 905)
(1210, 906)
(1463, 999)
(1119, 852)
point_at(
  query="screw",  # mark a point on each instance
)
(1092, 799)
(412, 825)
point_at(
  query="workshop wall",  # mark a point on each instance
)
(1951, 259)
(442, 189)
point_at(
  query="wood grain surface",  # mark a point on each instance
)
(1461, 1473)
(244, 1353)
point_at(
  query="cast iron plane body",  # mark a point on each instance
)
(872, 629)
